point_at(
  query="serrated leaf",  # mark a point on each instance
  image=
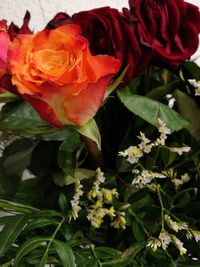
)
(10, 232)
(65, 253)
(91, 131)
(27, 247)
(79, 174)
(189, 109)
(150, 110)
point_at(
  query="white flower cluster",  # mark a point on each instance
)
(164, 240)
(134, 153)
(145, 177)
(101, 196)
(75, 202)
(196, 85)
(178, 181)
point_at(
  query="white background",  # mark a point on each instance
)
(43, 10)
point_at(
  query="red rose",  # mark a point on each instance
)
(13, 29)
(111, 32)
(171, 25)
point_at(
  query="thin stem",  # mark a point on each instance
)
(162, 208)
(139, 221)
(95, 255)
(155, 158)
(53, 237)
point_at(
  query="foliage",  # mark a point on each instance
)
(99, 195)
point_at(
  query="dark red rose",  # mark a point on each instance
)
(171, 25)
(59, 20)
(111, 32)
(13, 29)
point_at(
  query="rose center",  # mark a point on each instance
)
(51, 62)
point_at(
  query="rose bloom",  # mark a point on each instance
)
(55, 71)
(4, 41)
(171, 25)
(111, 32)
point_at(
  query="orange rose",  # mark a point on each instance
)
(55, 71)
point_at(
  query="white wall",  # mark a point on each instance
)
(43, 10)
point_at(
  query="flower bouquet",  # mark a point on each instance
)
(100, 138)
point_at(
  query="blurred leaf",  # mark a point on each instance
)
(15, 160)
(27, 247)
(7, 97)
(40, 223)
(138, 231)
(189, 109)
(160, 91)
(91, 131)
(79, 174)
(62, 202)
(19, 115)
(126, 258)
(67, 153)
(150, 110)
(65, 253)
(29, 193)
(192, 68)
(10, 232)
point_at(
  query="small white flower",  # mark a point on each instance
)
(196, 85)
(145, 145)
(180, 150)
(196, 235)
(178, 244)
(165, 239)
(154, 243)
(75, 202)
(133, 153)
(145, 177)
(172, 224)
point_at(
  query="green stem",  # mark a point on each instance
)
(140, 222)
(95, 255)
(53, 237)
(155, 158)
(162, 208)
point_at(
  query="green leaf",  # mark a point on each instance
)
(150, 110)
(189, 109)
(7, 97)
(16, 207)
(79, 174)
(126, 258)
(114, 85)
(27, 247)
(10, 232)
(40, 223)
(160, 91)
(15, 160)
(65, 253)
(192, 68)
(91, 131)
(67, 153)
(138, 231)
(19, 115)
